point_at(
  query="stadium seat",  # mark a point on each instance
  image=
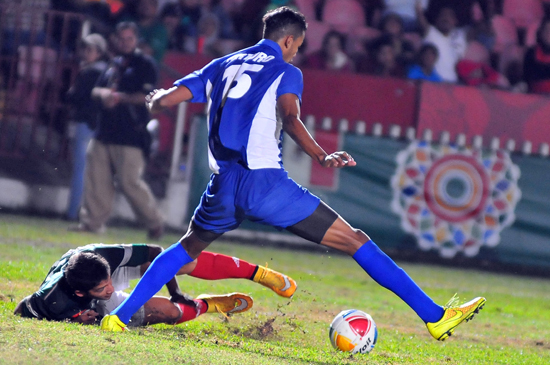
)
(505, 33)
(42, 62)
(531, 34)
(511, 60)
(315, 33)
(523, 13)
(344, 14)
(357, 37)
(306, 7)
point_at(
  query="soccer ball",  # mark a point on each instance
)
(353, 331)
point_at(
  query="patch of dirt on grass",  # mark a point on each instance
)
(266, 329)
(259, 332)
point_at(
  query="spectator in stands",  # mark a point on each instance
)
(406, 10)
(208, 40)
(478, 24)
(536, 63)
(463, 10)
(122, 143)
(381, 59)
(424, 69)
(192, 12)
(392, 26)
(248, 20)
(226, 26)
(182, 36)
(447, 37)
(331, 56)
(153, 35)
(475, 70)
(213, 33)
(373, 11)
(84, 113)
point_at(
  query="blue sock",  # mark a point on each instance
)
(386, 273)
(163, 268)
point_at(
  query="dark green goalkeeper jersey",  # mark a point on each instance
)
(55, 300)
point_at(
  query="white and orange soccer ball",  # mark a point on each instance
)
(353, 331)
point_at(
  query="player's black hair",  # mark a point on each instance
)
(86, 270)
(389, 17)
(283, 21)
(376, 45)
(127, 25)
(427, 47)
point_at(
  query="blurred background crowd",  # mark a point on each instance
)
(496, 43)
(52, 52)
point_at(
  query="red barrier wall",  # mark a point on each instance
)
(484, 112)
(439, 107)
(359, 97)
(336, 95)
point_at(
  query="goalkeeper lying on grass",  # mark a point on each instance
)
(87, 283)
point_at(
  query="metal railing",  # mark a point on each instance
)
(38, 63)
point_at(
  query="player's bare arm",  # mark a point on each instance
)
(110, 98)
(288, 107)
(160, 99)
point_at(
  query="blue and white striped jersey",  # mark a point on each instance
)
(241, 90)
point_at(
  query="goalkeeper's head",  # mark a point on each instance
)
(88, 273)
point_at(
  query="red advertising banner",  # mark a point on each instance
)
(484, 112)
(359, 97)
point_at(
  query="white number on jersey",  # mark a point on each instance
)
(236, 73)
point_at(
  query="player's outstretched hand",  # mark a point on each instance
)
(151, 100)
(88, 316)
(185, 299)
(338, 160)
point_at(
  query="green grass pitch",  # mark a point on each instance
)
(513, 328)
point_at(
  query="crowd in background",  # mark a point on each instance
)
(502, 44)
(497, 43)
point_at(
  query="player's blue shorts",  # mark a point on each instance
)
(266, 196)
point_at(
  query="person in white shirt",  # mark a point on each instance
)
(406, 9)
(449, 40)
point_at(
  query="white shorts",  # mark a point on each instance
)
(121, 280)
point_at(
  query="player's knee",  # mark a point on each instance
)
(173, 314)
(187, 268)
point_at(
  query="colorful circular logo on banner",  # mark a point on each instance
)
(455, 199)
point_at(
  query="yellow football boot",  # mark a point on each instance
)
(112, 323)
(279, 283)
(454, 315)
(228, 303)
